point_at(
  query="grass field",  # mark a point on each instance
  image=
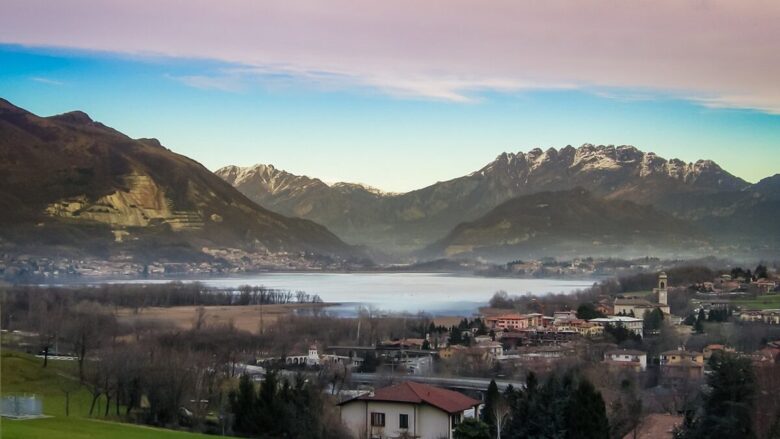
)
(21, 373)
(764, 302)
(83, 428)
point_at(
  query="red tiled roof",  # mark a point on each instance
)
(418, 393)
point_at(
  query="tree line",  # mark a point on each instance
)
(153, 295)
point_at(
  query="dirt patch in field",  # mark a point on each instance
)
(245, 318)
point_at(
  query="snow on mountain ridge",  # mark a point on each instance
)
(590, 157)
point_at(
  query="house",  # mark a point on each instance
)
(633, 324)
(492, 350)
(590, 330)
(605, 307)
(515, 321)
(311, 359)
(765, 285)
(751, 316)
(712, 348)
(314, 358)
(626, 358)
(407, 409)
(771, 316)
(768, 316)
(448, 352)
(559, 316)
(678, 357)
(680, 366)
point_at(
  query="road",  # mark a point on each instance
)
(479, 384)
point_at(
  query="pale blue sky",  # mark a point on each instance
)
(330, 128)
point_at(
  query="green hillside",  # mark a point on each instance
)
(23, 373)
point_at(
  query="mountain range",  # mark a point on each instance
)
(568, 224)
(70, 185)
(718, 206)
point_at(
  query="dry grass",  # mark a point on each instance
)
(246, 318)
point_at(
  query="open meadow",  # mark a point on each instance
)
(244, 318)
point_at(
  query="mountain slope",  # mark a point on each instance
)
(74, 184)
(569, 223)
(409, 221)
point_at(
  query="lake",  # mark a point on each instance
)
(434, 293)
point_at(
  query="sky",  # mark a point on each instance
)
(399, 95)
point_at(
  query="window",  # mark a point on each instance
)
(377, 419)
(403, 421)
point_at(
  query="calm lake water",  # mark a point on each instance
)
(434, 293)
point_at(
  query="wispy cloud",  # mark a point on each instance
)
(715, 52)
(47, 81)
(222, 82)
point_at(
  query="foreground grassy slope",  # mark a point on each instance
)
(23, 373)
(82, 428)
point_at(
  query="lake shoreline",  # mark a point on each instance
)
(396, 293)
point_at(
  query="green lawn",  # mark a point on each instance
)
(84, 428)
(22, 373)
(763, 302)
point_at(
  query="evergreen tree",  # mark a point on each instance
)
(566, 407)
(760, 272)
(370, 363)
(728, 403)
(653, 320)
(243, 404)
(279, 409)
(491, 399)
(587, 311)
(699, 325)
(471, 428)
(455, 336)
(587, 415)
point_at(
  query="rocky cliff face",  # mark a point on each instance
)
(72, 181)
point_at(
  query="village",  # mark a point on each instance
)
(397, 376)
(624, 338)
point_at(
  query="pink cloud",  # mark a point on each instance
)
(717, 52)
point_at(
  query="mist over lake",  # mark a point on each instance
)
(434, 293)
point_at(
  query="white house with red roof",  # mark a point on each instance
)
(414, 409)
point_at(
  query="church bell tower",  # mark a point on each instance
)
(662, 286)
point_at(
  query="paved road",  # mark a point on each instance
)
(478, 384)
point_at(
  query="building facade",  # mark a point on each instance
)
(406, 410)
(626, 358)
(633, 324)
